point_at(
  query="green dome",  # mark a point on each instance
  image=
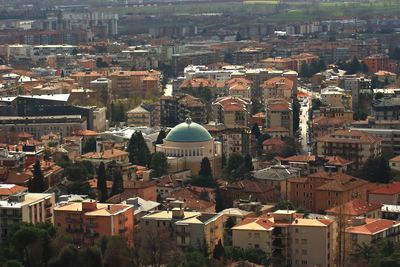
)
(188, 131)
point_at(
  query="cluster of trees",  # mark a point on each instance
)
(309, 70)
(89, 145)
(375, 170)
(39, 246)
(139, 154)
(385, 253)
(352, 67)
(238, 167)
(205, 177)
(117, 111)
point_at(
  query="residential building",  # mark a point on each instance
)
(376, 63)
(248, 190)
(187, 228)
(126, 84)
(106, 155)
(279, 114)
(367, 231)
(25, 207)
(358, 86)
(139, 116)
(386, 109)
(277, 132)
(166, 185)
(277, 177)
(288, 238)
(322, 190)
(84, 79)
(88, 221)
(353, 145)
(136, 188)
(233, 140)
(388, 194)
(279, 87)
(356, 208)
(7, 190)
(334, 96)
(395, 163)
(386, 77)
(234, 112)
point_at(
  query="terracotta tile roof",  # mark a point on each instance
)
(254, 224)
(9, 189)
(279, 107)
(19, 178)
(349, 136)
(342, 184)
(198, 82)
(249, 186)
(239, 87)
(93, 183)
(191, 101)
(355, 207)
(24, 135)
(372, 226)
(273, 141)
(395, 159)
(259, 115)
(85, 133)
(387, 189)
(192, 199)
(168, 181)
(232, 103)
(300, 158)
(337, 161)
(282, 83)
(244, 81)
(106, 154)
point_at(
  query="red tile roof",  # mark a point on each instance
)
(273, 141)
(263, 222)
(387, 189)
(372, 226)
(9, 189)
(355, 207)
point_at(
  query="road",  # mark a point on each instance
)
(305, 148)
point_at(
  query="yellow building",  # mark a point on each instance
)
(188, 228)
(336, 97)
(138, 116)
(25, 207)
(279, 114)
(289, 239)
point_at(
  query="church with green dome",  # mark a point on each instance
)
(187, 144)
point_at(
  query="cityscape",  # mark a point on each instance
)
(200, 133)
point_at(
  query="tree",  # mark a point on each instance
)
(256, 255)
(284, 205)
(117, 253)
(102, 183)
(139, 153)
(255, 130)
(379, 95)
(238, 37)
(219, 202)
(376, 170)
(118, 183)
(395, 55)
(161, 135)
(91, 257)
(354, 66)
(260, 142)
(89, 145)
(304, 71)
(296, 114)
(158, 164)
(12, 263)
(219, 251)
(205, 168)
(37, 183)
(247, 164)
(234, 169)
(375, 83)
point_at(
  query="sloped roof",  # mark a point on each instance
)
(355, 207)
(372, 226)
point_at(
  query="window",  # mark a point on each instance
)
(256, 246)
(249, 234)
(304, 252)
(296, 230)
(304, 262)
(256, 235)
(304, 241)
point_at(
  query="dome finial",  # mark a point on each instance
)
(188, 120)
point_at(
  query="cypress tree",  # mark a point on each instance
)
(118, 183)
(205, 168)
(161, 135)
(102, 182)
(37, 184)
(138, 151)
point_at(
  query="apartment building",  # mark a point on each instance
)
(187, 228)
(126, 84)
(386, 109)
(367, 231)
(353, 145)
(388, 194)
(278, 87)
(376, 63)
(334, 96)
(25, 207)
(139, 116)
(288, 238)
(88, 221)
(320, 191)
(234, 112)
(7, 190)
(84, 78)
(279, 114)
